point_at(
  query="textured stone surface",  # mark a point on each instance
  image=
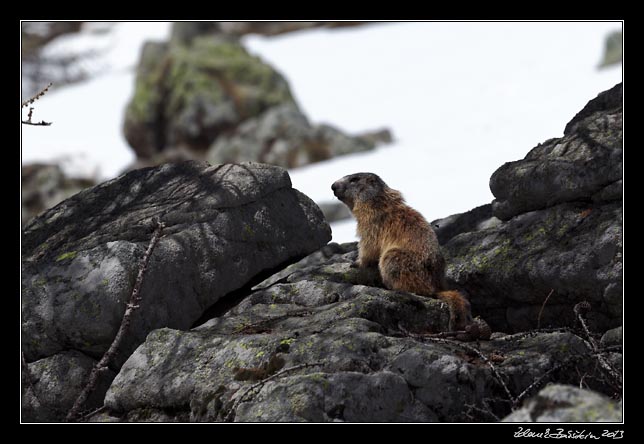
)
(573, 249)
(555, 229)
(564, 403)
(362, 367)
(283, 136)
(54, 383)
(225, 224)
(583, 162)
(187, 95)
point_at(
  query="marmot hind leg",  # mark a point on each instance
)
(400, 271)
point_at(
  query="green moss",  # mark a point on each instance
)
(247, 233)
(259, 354)
(287, 341)
(320, 378)
(68, 255)
(105, 282)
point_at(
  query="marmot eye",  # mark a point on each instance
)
(354, 179)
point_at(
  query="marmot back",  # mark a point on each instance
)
(399, 241)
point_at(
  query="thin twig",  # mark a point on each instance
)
(41, 123)
(472, 408)
(579, 310)
(132, 305)
(446, 334)
(495, 372)
(542, 307)
(433, 338)
(37, 96)
(535, 384)
(261, 383)
(92, 412)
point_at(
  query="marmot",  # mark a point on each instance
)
(400, 242)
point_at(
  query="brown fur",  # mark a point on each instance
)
(400, 242)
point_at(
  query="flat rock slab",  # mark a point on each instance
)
(346, 340)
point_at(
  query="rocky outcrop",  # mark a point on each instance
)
(203, 96)
(338, 348)
(565, 403)
(225, 225)
(45, 185)
(185, 96)
(576, 167)
(553, 236)
(283, 136)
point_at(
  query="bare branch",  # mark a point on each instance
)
(495, 372)
(580, 309)
(38, 95)
(542, 307)
(132, 305)
(261, 383)
(41, 123)
(535, 384)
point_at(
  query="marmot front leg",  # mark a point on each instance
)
(367, 268)
(367, 257)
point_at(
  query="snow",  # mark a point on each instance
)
(460, 98)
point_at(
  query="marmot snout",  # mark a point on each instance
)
(399, 241)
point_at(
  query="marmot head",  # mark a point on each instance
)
(358, 187)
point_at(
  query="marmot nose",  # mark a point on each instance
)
(335, 187)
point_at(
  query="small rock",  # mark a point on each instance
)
(564, 403)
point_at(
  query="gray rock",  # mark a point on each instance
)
(612, 49)
(188, 94)
(612, 337)
(573, 168)
(350, 360)
(575, 250)
(45, 185)
(283, 136)
(564, 403)
(480, 218)
(334, 211)
(225, 225)
(54, 383)
(561, 233)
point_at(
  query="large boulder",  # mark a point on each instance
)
(225, 225)
(202, 96)
(336, 347)
(283, 136)
(187, 95)
(578, 166)
(553, 236)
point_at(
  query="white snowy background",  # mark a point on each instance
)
(461, 99)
